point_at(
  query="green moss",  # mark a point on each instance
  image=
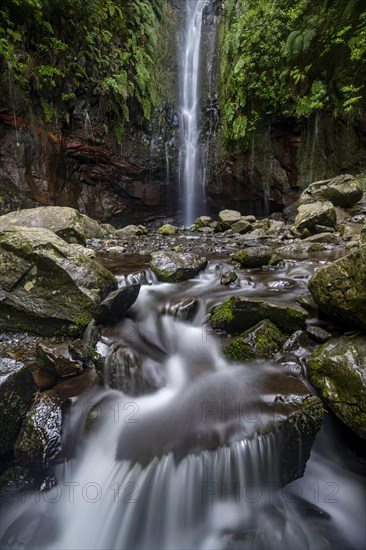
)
(238, 350)
(222, 315)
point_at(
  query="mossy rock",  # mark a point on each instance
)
(338, 370)
(259, 342)
(168, 230)
(67, 223)
(173, 267)
(343, 191)
(339, 288)
(17, 389)
(312, 218)
(253, 257)
(239, 313)
(46, 285)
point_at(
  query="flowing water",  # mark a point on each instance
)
(192, 195)
(166, 470)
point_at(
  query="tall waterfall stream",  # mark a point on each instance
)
(131, 480)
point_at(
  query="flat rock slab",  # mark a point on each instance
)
(173, 267)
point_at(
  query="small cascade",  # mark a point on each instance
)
(191, 154)
(88, 128)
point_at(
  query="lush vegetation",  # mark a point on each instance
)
(52, 51)
(291, 59)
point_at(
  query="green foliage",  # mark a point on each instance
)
(60, 49)
(290, 60)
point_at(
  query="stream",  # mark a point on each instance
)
(146, 471)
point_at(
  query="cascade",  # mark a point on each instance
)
(190, 156)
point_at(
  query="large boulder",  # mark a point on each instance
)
(314, 217)
(338, 370)
(343, 191)
(229, 217)
(46, 285)
(66, 222)
(255, 256)
(17, 389)
(173, 267)
(339, 288)
(239, 313)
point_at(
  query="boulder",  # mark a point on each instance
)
(183, 309)
(17, 389)
(57, 361)
(46, 286)
(168, 230)
(259, 342)
(339, 288)
(39, 442)
(131, 231)
(203, 221)
(343, 191)
(123, 372)
(239, 313)
(256, 256)
(67, 223)
(173, 267)
(229, 217)
(116, 304)
(313, 217)
(230, 278)
(338, 370)
(242, 226)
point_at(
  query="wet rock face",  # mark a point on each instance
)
(339, 288)
(217, 410)
(17, 389)
(338, 370)
(67, 223)
(172, 267)
(47, 286)
(239, 313)
(116, 304)
(259, 342)
(39, 441)
(254, 257)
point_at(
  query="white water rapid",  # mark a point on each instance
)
(190, 157)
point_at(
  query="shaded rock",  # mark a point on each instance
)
(339, 288)
(182, 309)
(239, 313)
(298, 343)
(327, 238)
(259, 342)
(39, 442)
(203, 221)
(338, 370)
(242, 226)
(229, 217)
(253, 257)
(67, 223)
(313, 217)
(168, 230)
(173, 267)
(57, 361)
(344, 190)
(46, 286)
(123, 372)
(116, 304)
(318, 334)
(284, 408)
(17, 389)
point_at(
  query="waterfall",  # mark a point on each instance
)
(191, 192)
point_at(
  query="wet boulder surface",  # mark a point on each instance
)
(338, 370)
(173, 267)
(46, 285)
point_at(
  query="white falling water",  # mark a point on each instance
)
(191, 193)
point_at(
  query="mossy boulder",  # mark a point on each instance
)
(242, 226)
(259, 342)
(239, 313)
(173, 267)
(67, 223)
(39, 442)
(344, 190)
(17, 389)
(131, 231)
(339, 288)
(256, 256)
(338, 370)
(314, 217)
(203, 221)
(229, 217)
(168, 230)
(46, 285)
